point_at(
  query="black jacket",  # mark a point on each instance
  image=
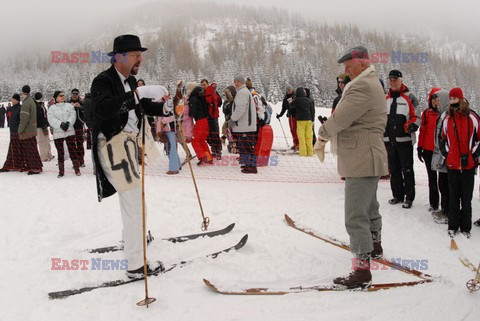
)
(88, 112)
(286, 106)
(42, 121)
(79, 111)
(15, 118)
(337, 99)
(198, 107)
(303, 106)
(110, 112)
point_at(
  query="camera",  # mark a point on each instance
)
(464, 160)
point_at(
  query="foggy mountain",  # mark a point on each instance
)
(191, 41)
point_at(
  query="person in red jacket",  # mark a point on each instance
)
(459, 144)
(426, 145)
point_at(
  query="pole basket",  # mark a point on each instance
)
(146, 302)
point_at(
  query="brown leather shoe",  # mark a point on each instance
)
(356, 279)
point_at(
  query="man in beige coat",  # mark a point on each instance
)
(359, 122)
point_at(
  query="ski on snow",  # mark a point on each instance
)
(345, 246)
(461, 257)
(302, 289)
(125, 280)
(176, 239)
(424, 278)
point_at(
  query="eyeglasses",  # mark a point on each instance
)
(74, 94)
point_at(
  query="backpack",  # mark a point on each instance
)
(213, 100)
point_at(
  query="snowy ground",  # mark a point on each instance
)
(43, 217)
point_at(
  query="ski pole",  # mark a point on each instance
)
(179, 111)
(285, 136)
(147, 300)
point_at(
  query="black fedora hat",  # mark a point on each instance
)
(126, 43)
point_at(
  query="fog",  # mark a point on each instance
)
(26, 24)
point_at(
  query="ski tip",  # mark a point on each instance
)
(453, 245)
(243, 240)
(289, 220)
(230, 227)
(210, 285)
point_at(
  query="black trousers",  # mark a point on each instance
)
(78, 141)
(213, 138)
(432, 179)
(70, 140)
(460, 184)
(444, 191)
(400, 165)
(246, 145)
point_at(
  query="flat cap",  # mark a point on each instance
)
(358, 52)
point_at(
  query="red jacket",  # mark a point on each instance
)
(426, 138)
(466, 143)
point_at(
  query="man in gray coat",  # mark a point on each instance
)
(359, 122)
(27, 131)
(244, 125)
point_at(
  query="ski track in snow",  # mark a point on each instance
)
(43, 217)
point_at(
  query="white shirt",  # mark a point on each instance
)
(132, 122)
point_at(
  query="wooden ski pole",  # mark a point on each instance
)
(179, 111)
(147, 300)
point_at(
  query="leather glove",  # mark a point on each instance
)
(278, 116)
(261, 122)
(420, 153)
(411, 128)
(64, 126)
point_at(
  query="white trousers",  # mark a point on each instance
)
(131, 211)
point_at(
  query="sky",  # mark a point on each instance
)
(29, 22)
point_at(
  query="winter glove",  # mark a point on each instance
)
(64, 126)
(231, 123)
(45, 131)
(411, 128)
(420, 153)
(278, 116)
(261, 122)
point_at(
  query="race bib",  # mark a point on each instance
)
(120, 161)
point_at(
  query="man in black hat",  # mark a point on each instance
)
(358, 124)
(78, 126)
(27, 132)
(399, 137)
(118, 115)
(14, 161)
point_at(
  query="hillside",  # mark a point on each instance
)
(191, 41)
